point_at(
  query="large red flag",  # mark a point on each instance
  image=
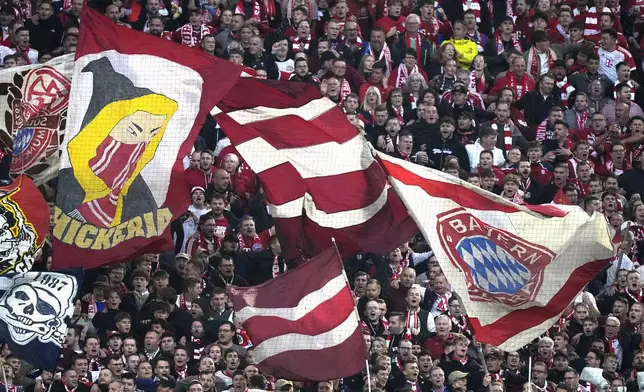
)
(304, 331)
(136, 107)
(318, 172)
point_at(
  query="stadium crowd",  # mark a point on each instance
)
(535, 102)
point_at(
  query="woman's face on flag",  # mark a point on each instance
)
(139, 127)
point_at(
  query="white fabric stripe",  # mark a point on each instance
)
(296, 341)
(96, 209)
(106, 158)
(351, 156)
(308, 112)
(304, 307)
(335, 220)
(524, 337)
(121, 177)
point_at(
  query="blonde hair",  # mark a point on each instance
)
(365, 106)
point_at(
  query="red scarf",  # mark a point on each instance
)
(345, 90)
(183, 304)
(403, 74)
(419, 41)
(520, 88)
(397, 270)
(582, 119)
(192, 38)
(404, 155)
(499, 43)
(301, 45)
(412, 322)
(478, 84)
(198, 350)
(535, 62)
(443, 301)
(507, 134)
(399, 112)
(24, 53)
(250, 244)
(637, 297)
(181, 373)
(276, 267)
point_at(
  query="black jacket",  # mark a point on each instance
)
(438, 149)
(535, 107)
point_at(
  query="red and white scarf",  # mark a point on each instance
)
(582, 119)
(300, 45)
(520, 88)
(418, 41)
(461, 323)
(250, 244)
(443, 301)
(475, 6)
(192, 38)
(412, 321)
(24, 53)
(243, 339)
(183, 304)
(181, 373)
(500, 48)
(276, 267)
(636, 297)
(396, 270)
(385, 54)
(534, 62)
(507, 135)
(403, 74)
(358, 44)
(197, 351)
(565, 89)
(478, 84)
(345, 90)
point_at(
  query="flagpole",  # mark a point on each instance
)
(530, 372)
(366, 361)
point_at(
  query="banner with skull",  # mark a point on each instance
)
(33, 309)
(24, 224)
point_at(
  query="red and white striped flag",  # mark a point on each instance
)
(303, 323)
(318, 172)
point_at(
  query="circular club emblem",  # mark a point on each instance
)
(497, 265)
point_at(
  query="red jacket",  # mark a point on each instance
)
(197, 177)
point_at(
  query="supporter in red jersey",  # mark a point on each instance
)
(202, 176)
(249, 240)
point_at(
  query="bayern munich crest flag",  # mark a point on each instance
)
(33, 100)
(515, 267)
(137, 105)
(34, 307)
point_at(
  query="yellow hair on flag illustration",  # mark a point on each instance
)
(136, 107)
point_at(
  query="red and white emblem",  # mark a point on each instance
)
(498, 265)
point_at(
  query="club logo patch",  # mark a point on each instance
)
(498, 266)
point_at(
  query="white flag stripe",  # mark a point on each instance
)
(308, 112)
(351, 156)
(306, 304)
(296, 341)
(335, 220)
(524, 337)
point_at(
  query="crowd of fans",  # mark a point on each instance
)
(537, 102)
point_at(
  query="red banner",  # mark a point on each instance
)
(137, 105)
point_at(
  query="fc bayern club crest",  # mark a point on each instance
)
(498, 266)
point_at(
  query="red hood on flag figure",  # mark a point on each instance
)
(119, 136)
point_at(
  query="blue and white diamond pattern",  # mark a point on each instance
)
(22, 139)
(493, 269)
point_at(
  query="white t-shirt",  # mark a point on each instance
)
(609, 60)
